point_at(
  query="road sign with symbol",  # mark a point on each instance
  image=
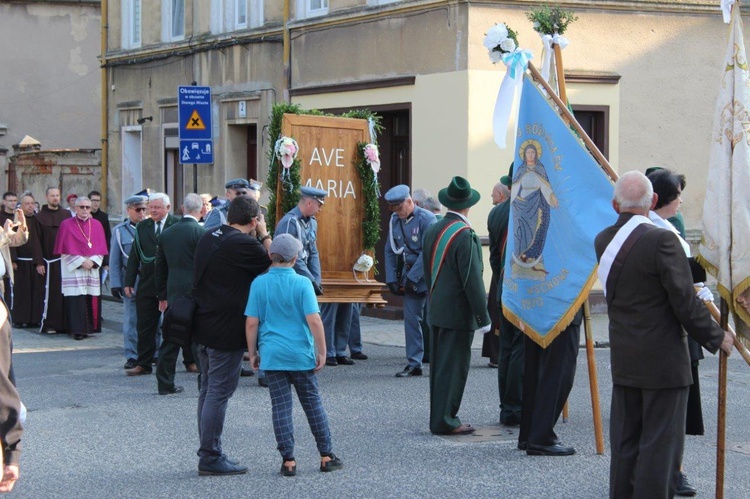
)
(194, 115)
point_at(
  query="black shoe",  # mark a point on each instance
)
(130, 364)
(523, 445)
(170, 391)
(263, 382)
(331, 361)
(343, 360)
(332, 465)
(247, 373)
(683, 487)
(79, 337)
(425, 360)
(220, 466)
(409, 371)
(359, 356)
(549, 450)
(511, 420)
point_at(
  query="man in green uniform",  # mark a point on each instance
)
(453, 267)
(511, 354)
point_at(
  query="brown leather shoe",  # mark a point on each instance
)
(191, 368)
(137, 371)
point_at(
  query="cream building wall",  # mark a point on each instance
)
(50, 78)
(669, 62)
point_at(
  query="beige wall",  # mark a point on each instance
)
(50, 84)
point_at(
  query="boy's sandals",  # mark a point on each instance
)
(289, 468)
(330, 463)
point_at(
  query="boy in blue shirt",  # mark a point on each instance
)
(283, 322)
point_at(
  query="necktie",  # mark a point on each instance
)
(158, 228)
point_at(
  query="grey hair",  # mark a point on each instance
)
(160, 196)
(432, 204)
(193, 203)
(82, 198)
(420, 196)
(633, 190)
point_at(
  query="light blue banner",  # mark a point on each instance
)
(560, 200)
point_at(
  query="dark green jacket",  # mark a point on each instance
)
(143, 256)
(175, 259)
(458, 299)
(497, 228)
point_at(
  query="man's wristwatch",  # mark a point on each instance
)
(263, 239)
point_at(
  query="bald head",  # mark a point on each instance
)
(634, 194)
(500, 193)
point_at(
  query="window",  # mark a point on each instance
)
(240, 13)
(233, 15)
(131, 24)
(172, 20)
(380, 2)
(311, 8)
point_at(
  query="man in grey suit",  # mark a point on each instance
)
(175, 266)
(651, 303)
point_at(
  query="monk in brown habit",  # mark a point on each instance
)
(28, 286)
(50, 217)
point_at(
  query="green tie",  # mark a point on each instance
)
(158, 229)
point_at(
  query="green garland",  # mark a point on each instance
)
(549, 21)
(371, 222)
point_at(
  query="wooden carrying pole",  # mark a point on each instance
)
(591, 360)
(721, 424)
(560, 74)
(593, 381)
(737, 344)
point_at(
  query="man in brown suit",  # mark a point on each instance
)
(651, 303)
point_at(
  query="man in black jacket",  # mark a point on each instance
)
(227, 261)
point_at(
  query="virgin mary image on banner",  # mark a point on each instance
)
(531, 197)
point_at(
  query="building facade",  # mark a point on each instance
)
(643, 76)
(50, 78)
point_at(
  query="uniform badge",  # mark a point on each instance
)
(415, 234)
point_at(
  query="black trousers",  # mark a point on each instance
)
(510, 372)
(147, 324)
(547, 381)
(647, 436)
(167, 362)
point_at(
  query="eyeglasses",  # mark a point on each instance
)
(84, 207)
(138, 209)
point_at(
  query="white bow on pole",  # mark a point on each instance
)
(548, 40)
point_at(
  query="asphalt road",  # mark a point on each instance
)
(93, 432)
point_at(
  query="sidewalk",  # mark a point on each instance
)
(374, 331)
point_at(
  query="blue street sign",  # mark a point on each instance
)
(194, 116)
(196, 151)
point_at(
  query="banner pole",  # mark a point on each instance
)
(737, 344)
(568, 116)
(560, 74)
(593, 381)
(722, 408)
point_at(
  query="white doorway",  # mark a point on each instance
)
(132, 161)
